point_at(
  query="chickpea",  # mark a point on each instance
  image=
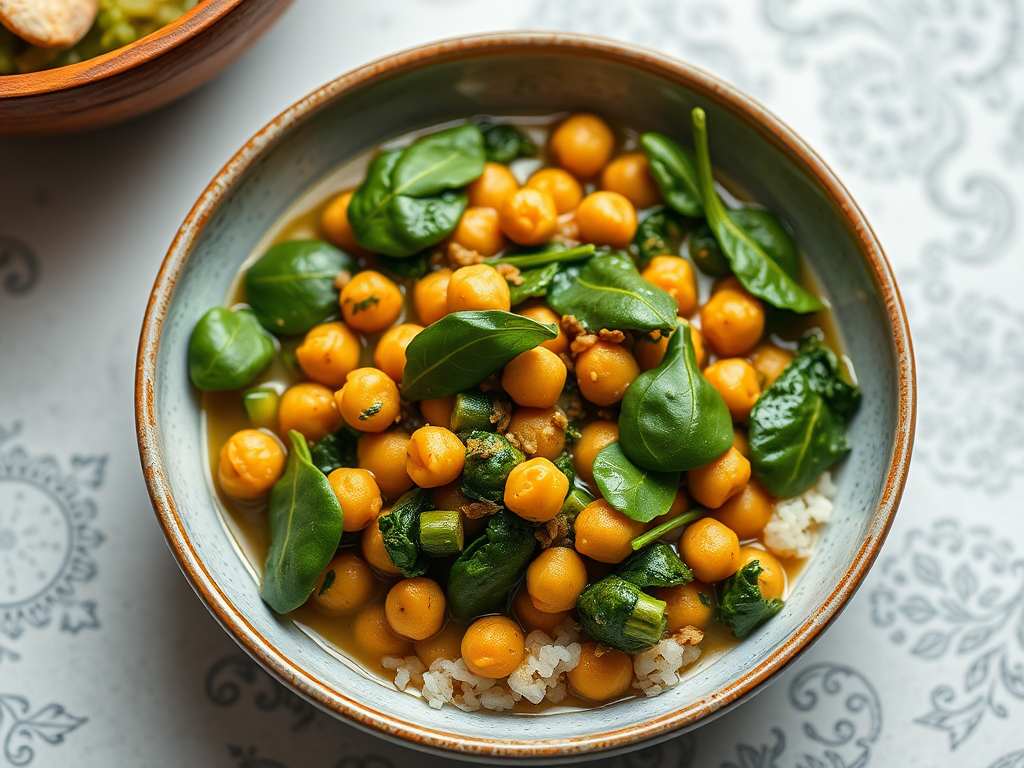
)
(435, 457)
(605, 534)
(383, 454)
(732, 321)
(345, 586)
(438, 411)
(533, 619)
(630, 176)
(449, 496)
(390, 353)
(710, 549)
(680, 503)
(528, 216)
(593, 437)
(770, 361)
(699, 350)
(430, 296)
(493, 646)
(535, 378)
(375, 637)
(688, 605)
(251, 462)
(582, 145)
(730, 283)
(719, 480)
(561, 185)
(736, 381)
(606, 218)
(741, 442)
(674, 276)
(479, 231)
(309, 409)
(543, 314)
(478, 286)
(370, 302)
(494, 185)
(358, 494)
(329, 353)
(539, 431)
(604, 372)
(369, 401)
(772, 579)
(555, 579)
(535, 490)
(372, 547)
(415, 608)
(649, 350)
(335, 224)
(446, 644)
(601, 675)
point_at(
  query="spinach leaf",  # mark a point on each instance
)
(706, 254)
(675, 172)
(617, 613)
(335, 450)
(763, 227)
(757, 271)
(227, 349)
(411, 198)
(659, 234)
(306, 523)
(291, 288)
(503, 143)
(490, 567)
(672, 419)
(637, 493)
(535, 283)
(608, 292)
(409, 268)
(542, 256)
(741, 606)
(400, 531)
(462, 349)
(656, 565)
(821, 367)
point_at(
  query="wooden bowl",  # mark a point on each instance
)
(137, 78)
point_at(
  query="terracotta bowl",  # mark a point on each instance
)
(138, 78)
(526, 73)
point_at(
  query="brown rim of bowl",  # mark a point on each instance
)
(152, 46)
(392, 726)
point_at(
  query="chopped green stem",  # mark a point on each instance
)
(670, 525)
(441, 532)
(473, 411)
(524, 260)
(648, 621)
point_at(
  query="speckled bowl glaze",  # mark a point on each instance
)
(523, 73)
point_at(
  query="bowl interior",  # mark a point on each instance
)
(633, 91)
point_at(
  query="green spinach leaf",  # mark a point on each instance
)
(675, 172)
(227, 349)
(763, 227)
(821, 367)
(660, 234)
(638, 493)
(617, 613)
(409, 268)
(542, 256)
(400, 531)
(335, 450)
(656, 565)
(503, 143)
(535, 283)
(741, 606)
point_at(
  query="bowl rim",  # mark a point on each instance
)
(187, 26)
(393, 726)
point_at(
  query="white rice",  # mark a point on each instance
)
(541, 675)
(657, 669)
(451, 682)
(790, 532)
(407, 670)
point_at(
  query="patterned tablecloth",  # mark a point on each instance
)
(107, 658)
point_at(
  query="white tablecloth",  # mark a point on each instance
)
(107, 658)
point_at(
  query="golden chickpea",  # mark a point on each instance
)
(494, 185)
(493, 646)
(535, 490)
(630, 176)
(674, 276)
(741, 442)
(430, 296)
(528, 216)
(688, 605)
(370, 302)
(329, 353)
(438, 411)
(345, 586)
(535, 378)
(449, 496)
(478, 286)
(309, 409)
(605, 534)
(770, 361)
(446, 644)
(435, 457)
(251, 462)
(555, 579)
(732, 321)
(606, 218)
(533, 619)
(772, 579)
(335, 224)
(593, 437)
(415, 608)
(601, 675)
(710, 549)
(543, 314)
(358, 494)
(390, 353)
(539, 431)
(561, 185)
(375, 637)
(748, 512)
(719, 480)
(372, 547)
(369, 401)
(649, 350)
(730, 283)
(582, 145)
(479, 231)
(604, 372)
(736, 381)
(383, 454)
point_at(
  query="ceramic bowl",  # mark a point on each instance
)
(138, 78)
(526, 73)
